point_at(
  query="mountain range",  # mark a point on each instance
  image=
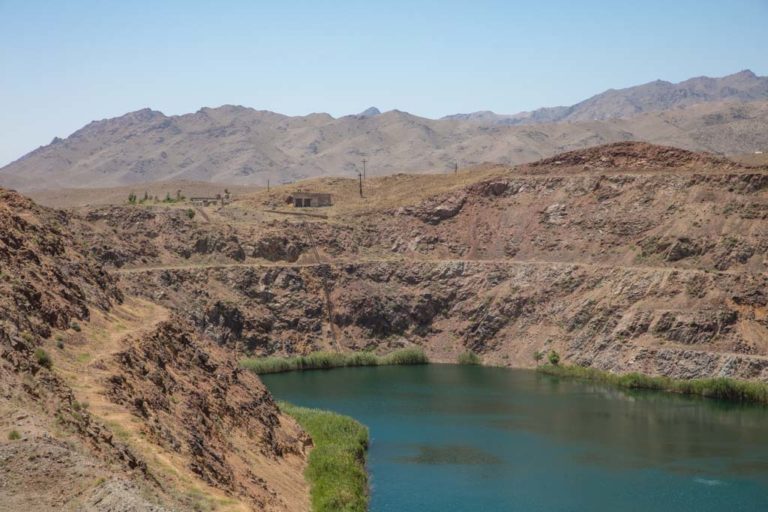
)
(239, 145)
(651, 97)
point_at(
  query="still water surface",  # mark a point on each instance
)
(455, 438)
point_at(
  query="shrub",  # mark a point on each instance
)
(362, 359)
(27, 336)
(405, 356)
(553, 358)
(325, 360)
(14, 435)
(75, 326)
(336, 469)
(469, 358)
(43, 359)
(538, 356)
(191, 213)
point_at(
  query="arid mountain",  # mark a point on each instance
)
(651, 97)
(237, 145)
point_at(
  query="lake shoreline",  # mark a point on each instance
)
(721, 388)
(323, 360)
(465, 430)
(336, 470)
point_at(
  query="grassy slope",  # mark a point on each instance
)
(720, 387)
(326, 360)
(336, 471)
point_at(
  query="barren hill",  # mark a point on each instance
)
(634, 155)
(237, 145)
(109, 402)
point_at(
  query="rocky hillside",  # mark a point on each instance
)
(120, 326)
(105, 405)
(624, 257)
(238, 145)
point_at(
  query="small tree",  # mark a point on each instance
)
(191, 213)
(554, 358)
(538, 356)
(132, 198)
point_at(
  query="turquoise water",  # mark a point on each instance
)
(452, 438)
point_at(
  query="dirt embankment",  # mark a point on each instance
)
(632, 155)
(104, 405)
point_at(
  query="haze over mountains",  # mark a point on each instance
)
(651, 97)
(238, 145)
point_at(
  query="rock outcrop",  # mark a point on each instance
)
(185, 393)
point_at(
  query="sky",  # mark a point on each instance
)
(66, 63)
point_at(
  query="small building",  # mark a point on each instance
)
(309, 199)
(206, 201)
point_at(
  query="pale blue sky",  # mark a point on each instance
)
(66, 63)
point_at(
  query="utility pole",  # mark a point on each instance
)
(360, 177)
(455, 167)
(364, 160)
(267, 185)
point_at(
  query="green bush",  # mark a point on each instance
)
(326, 360)
(43, 359)
(336, 470)
(719, 387)
(553, 358)
(404, 357)
(75, 326)
(191, 213)
(469, 358)
(14, 435)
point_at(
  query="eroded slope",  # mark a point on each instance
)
(107, 404)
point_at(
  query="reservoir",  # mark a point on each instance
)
(448, 438)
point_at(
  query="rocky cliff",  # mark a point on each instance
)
(98, 401)
(624, 257)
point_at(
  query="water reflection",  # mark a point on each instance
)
(449, 454)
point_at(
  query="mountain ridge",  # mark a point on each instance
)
(241, 145)
(652, 96)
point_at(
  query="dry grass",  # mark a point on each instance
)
(84, 363)
(720, 387)
(380, 193)
(328, 360)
